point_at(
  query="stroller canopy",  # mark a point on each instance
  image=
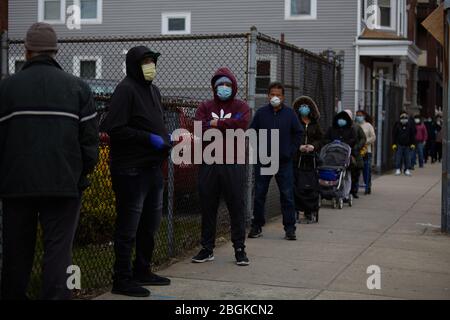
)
(335, 154)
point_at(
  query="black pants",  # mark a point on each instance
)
(58, 218)
(139, 203)
(356, 173)
(229, 180)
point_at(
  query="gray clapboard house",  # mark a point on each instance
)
(315, 25)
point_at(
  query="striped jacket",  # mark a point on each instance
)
(48, 132)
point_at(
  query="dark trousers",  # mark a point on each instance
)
(58, 218)
(285, 182)
(356, 173)
(139, 203)
(367, 171)
(403, 156)
(227, 180)
(430, 151)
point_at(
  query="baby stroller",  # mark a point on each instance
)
(307, 186)
(334, 177)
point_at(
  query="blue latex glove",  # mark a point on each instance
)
(157, 141)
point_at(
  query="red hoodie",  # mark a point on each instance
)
(231, 114)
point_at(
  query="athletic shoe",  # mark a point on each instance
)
(241, 257)
(290, 235)
(255, 232)
(129, 288)
(408, 173)
(203, 256)
(398, 172)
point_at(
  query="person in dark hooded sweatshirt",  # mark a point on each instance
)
(139, 145)
(342, 130)
(223, 112)
(403, 139)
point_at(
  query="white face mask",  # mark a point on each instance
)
(417, 121)
(275, 102)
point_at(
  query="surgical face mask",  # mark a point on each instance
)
(304, 110)
(224, 92)
(360, 119)
(275, 102)
(149, 71)
(342, 122)
(403, 121)
(417, 121)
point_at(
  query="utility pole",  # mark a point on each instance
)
(445, 225)
(3, 38)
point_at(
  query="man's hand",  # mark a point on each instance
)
(303, 148)
(413, 147)
(309, 148)
(213, 123)
(394, 147)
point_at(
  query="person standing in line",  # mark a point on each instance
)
(430, 146)
(276, 115)
(403, 137)
(139, 145)
(421, 139)
(223, 112)
(49, 144)
(364, 121)
(439, 135)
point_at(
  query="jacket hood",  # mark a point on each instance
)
(342, 115)
(134, 59)
(224, 72)
(315, 114)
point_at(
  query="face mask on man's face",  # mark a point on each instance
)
(149, 71)
(224, 92)
(403, 121)
(342, 122)
(275, 102)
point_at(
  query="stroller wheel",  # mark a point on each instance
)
(350, 200)
(335, 205)
(341, 203)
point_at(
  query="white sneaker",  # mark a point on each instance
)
(398, 172)
(408, 173)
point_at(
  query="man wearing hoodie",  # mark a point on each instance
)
(139, 145)
(223, 112)
(403, 137)
(277, 116)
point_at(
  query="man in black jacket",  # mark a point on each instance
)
(48, 143)
(139, 145)
(403, 139)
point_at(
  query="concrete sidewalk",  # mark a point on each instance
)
(395, 228)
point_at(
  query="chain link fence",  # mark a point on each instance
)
(185, 68)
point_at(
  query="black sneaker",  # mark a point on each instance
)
(290, 235)
(355, 196)
(203, 256)
(241, 257)
(255, 232)
(129, 288)
(151, 279)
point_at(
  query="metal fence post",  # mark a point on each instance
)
(380, 121)
(251, 100)
(4, 54)
(445, 211)
(170, 227)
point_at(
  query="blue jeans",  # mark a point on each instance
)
(403, 156)
(418, 151)
(367, 171)
(285, 182)
(139, 203)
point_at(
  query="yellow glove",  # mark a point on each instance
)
(413, 147)
(363, 151)
(394, 147)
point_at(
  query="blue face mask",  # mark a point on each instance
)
(342, 122)
(224, 92)
(360, 119)
(304, 110)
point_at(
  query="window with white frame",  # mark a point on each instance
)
(300, 9)
(52, 11)
(16, 63)
(266, 72)
(87, 67)
(176, 23)
(91, 11)
(381, 12)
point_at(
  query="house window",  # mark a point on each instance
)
(91, 11)
(16, 63)
(381, 13)
(87, 67)
(266, 67)
(300, 9)
(51, 11)
(176, 23)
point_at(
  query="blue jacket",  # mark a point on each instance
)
(288, 124)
